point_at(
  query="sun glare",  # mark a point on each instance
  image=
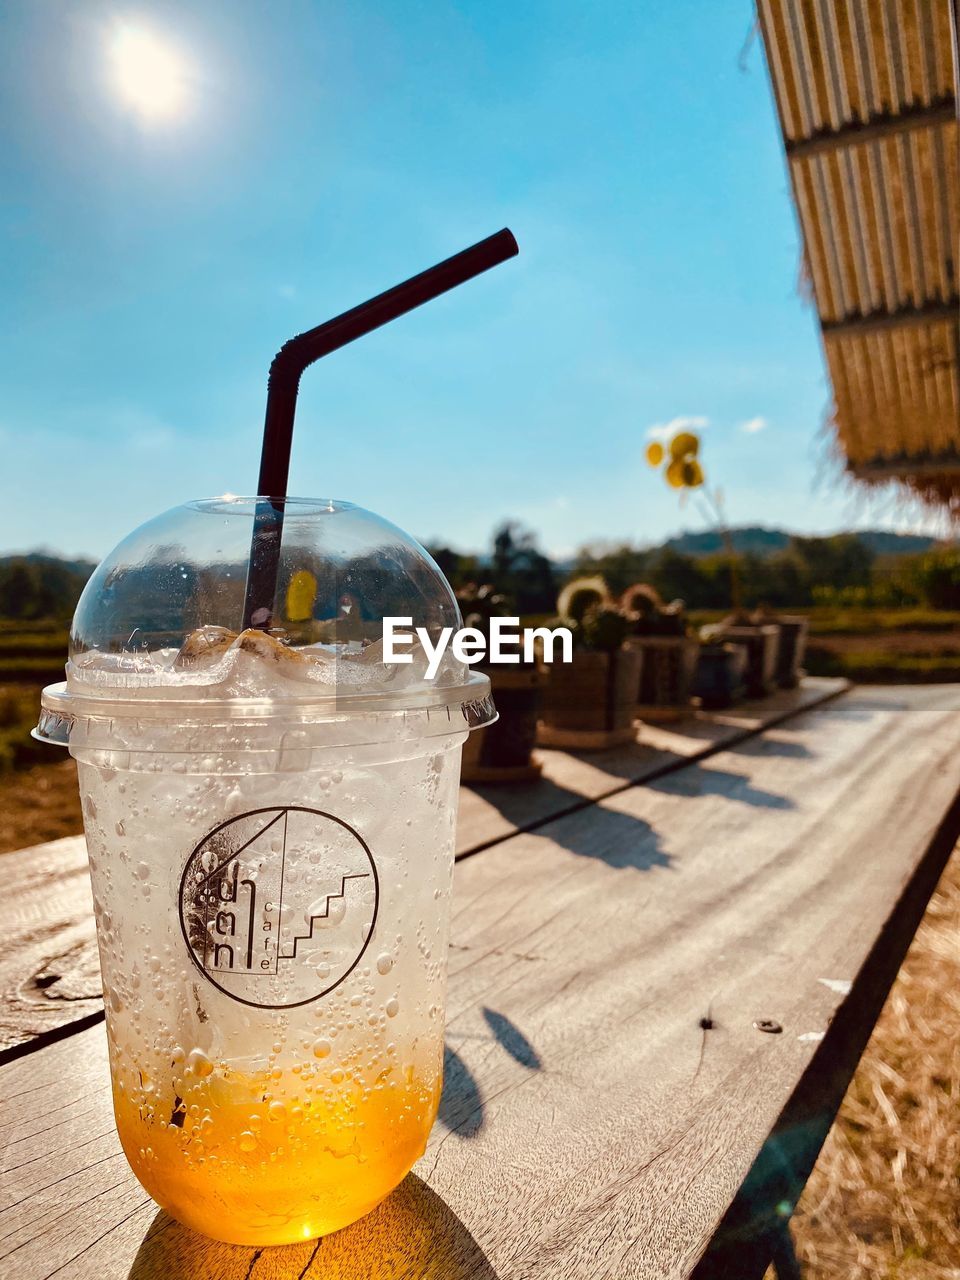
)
(149, 74)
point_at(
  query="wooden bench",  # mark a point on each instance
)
(666, 961)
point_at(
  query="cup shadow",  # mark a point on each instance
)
(509, 1035)
(412, 1235)
(462, 1108)
(461, 1102)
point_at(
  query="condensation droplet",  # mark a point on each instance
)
(321, 1048)
(392, 1007)
(384, 963)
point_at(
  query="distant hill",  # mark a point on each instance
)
(884, 543)
(39, 585)
(751, 539)
(758, 541)
(82, 568)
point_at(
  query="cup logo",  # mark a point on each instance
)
(278, 905)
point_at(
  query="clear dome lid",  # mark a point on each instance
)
(162, 616)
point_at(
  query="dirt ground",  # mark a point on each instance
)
(37, 804)
(884, 1199)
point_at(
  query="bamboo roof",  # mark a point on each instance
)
(866, 97)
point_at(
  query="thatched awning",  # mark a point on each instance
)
(867, 102)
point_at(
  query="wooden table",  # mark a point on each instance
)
(666, 961)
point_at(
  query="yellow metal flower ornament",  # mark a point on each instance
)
(683, 469)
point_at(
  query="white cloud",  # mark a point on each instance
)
(753, 425)
(666, 430)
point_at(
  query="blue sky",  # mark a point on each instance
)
(320, 153)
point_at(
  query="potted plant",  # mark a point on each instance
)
(590, 702)
(502, 751)
(793, 644)
(659, 632)
(721, 670)
(683, 470)
(762, 643)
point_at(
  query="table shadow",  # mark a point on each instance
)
(622, 841)
(708, 780)
(413, 1235)
(528, 805)
(768, 745)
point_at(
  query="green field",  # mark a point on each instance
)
(861, 620)
(32, 654)
(879, 645)
(32, 651)
(19, 708)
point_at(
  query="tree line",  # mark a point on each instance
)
(34, 587)
(837, 570)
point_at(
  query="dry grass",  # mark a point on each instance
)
(884, 1198)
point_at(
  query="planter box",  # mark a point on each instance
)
(502, 752)
(666, 676)
(762, 645)
(793, 648)
(590, 703)
(721, 669)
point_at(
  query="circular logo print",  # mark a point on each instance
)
(278, 905)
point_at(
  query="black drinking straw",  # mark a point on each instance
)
(283, 384)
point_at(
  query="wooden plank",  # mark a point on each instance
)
(571, 780)
(49, 967)
(591, 1125)
(858, 132)
(49, 971)
(909, 316)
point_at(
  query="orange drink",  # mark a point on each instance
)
(262, 1161)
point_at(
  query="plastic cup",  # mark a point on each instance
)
(270, 822)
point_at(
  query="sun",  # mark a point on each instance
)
(149, 74)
